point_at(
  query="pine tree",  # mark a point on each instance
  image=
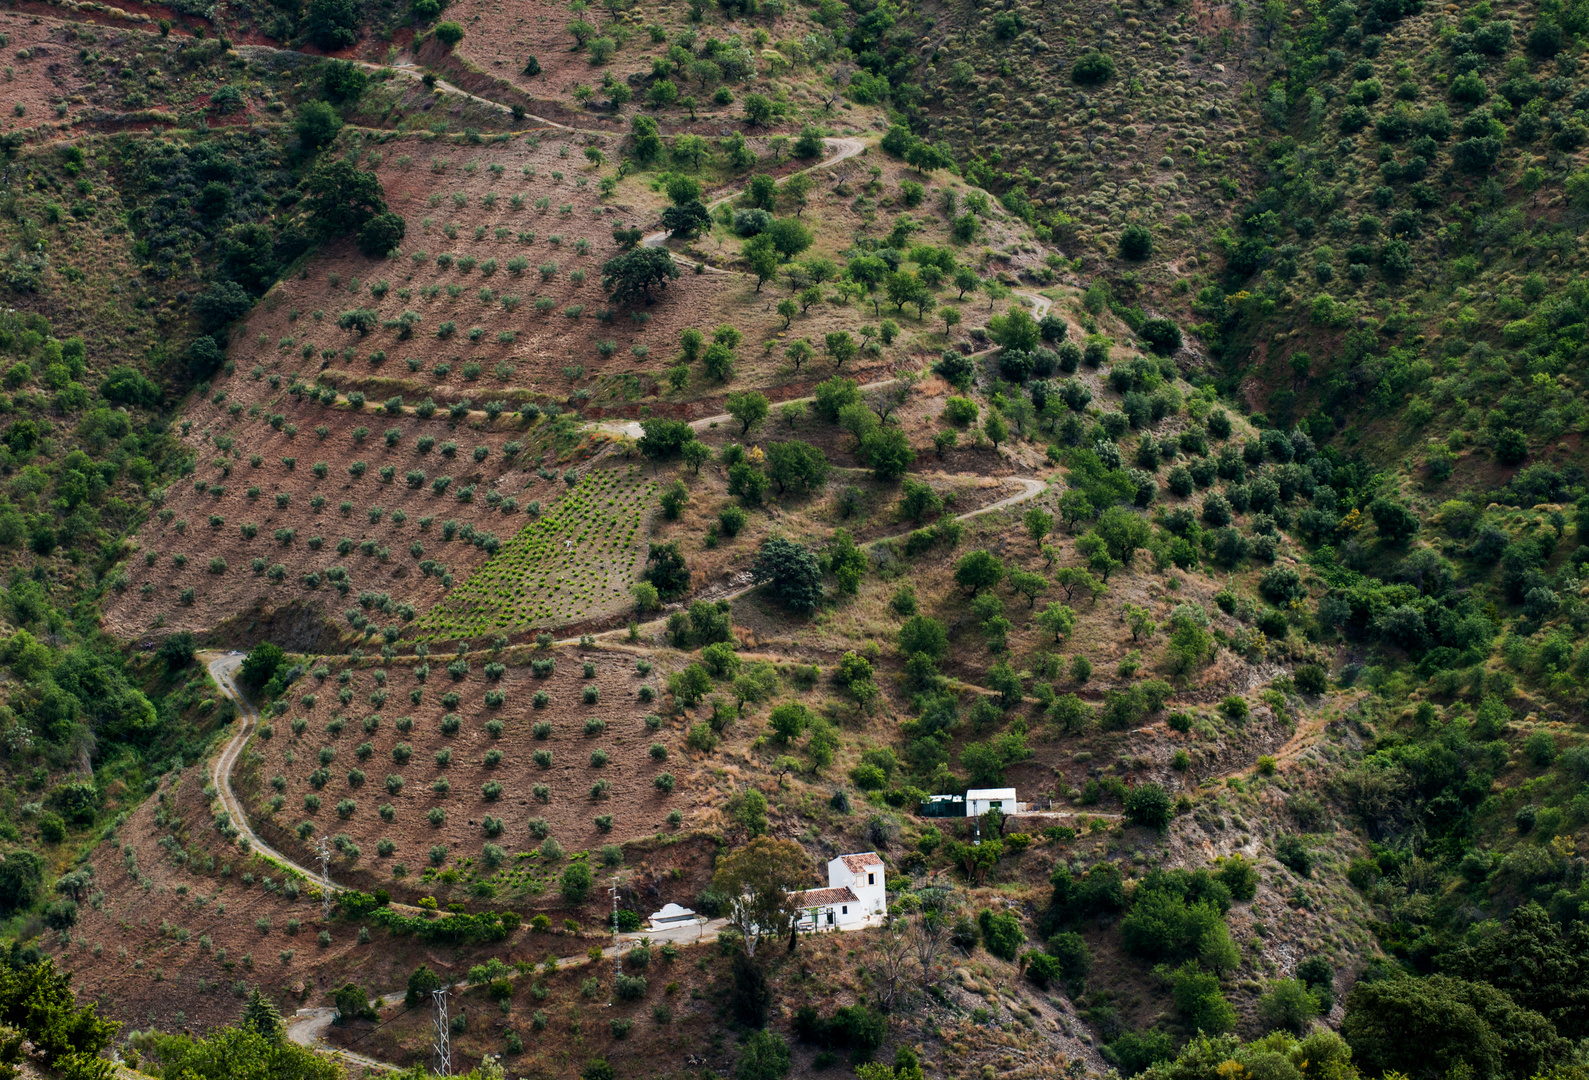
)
(262, 1016)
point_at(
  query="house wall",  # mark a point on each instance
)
(847, 916)
(873, 897)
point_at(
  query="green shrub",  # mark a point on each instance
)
(1001, 934)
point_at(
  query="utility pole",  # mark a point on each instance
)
(323, 849)
(617, 963)
(443, 1045)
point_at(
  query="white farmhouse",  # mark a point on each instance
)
(980, 800)
(856, 896)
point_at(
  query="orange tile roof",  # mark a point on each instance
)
(823, 897)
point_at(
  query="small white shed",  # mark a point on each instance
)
(671, 915)
(980, 800)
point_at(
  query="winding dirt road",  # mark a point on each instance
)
(847, 147)
(1031, 489)
(223, 670)
(307, 1027)
(1041, 305)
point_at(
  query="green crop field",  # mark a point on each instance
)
(579, 559)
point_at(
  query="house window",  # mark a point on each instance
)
(845, 909)
(871, 879)
(996, 804)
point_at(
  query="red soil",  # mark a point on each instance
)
(637, 807)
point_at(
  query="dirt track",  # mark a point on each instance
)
(223, 668)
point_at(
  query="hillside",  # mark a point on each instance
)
(475, 474)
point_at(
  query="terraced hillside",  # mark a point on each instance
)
(626, 455)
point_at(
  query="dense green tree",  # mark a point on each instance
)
(127, 386)
(177, 649)
(984, 763)
(1136, 243)
(260, 664)
(1016, 330)
(21, 876)
(344, 81)
(240, 1053)
(764, 1056)
(1123, 531)
(665, 568)
(796, 467)
(1162, 335)
(648, 144)
(1543, 965)
(1287, 1006)
(1431, 1025)
(888, 451)
(317, 124)
(789, 237)
(352, 1003)
(791, 571)
(923, 634)
(261, 1016)
(687, 221)
(749, 407)
(341, 198)
(382, 234)
(1396, 523)
(333, 24)
(576, 882)
(1001, 933)
(832, 396)
(689, 685)
(789, 721)
(630, 276)
(978, 570)
(1092, 68)
(223, 302)
(758, 109)
(662, 439)
(1197, 996)
(1057, 619)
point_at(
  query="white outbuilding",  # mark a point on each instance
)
(670, 916)
(980, 800)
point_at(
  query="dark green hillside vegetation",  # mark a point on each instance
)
(204, 224)
(1118, 130)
